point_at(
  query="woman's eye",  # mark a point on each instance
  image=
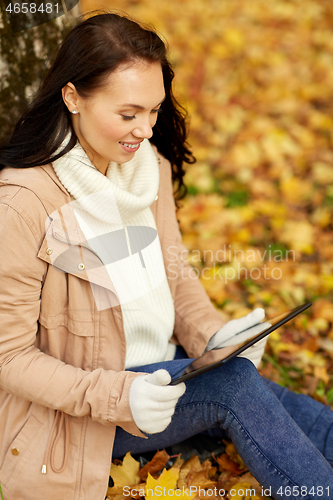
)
(159, 110)
(126, 117)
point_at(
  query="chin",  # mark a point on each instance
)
(126, 157)
(122, 158)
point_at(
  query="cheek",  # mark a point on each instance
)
(111, 127)
(110, 131)
(102, 127)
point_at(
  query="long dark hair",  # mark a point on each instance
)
(93, 49)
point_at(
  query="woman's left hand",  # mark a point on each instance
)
(239, 330)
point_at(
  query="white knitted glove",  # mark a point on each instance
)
(233, 333)
(256, 351)
(152, 401)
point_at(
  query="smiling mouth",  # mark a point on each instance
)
(128, 145)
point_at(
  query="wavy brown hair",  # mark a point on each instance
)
(95, 48)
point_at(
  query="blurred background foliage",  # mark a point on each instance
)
(256, 78)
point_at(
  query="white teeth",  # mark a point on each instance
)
(133, 146)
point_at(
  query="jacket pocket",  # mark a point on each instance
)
(67, 302)
(22, 451)
(68, 321)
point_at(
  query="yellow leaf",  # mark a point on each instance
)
(299, 235)
(168, 479)
(328, 282)
(243, 235)
(287, 347)
(165, 486)
(322, 173)
(296, 190)
(321, 216)
(234, 38)
(321, 372)
(127, 473)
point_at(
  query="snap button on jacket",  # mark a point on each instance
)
(63, 387)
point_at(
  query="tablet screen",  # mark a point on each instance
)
(211, 359)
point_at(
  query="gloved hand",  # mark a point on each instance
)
(153, 402)
(256, 351)
(233, 333)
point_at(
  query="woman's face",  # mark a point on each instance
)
(112, 123)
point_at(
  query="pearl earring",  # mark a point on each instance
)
(74, 111)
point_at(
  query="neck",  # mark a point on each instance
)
(100, 163)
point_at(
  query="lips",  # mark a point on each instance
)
(130, 147)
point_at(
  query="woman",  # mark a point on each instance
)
(93, 287)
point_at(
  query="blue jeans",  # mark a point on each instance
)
(285, 439)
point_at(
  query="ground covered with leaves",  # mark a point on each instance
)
(256, 78)
(215, 478)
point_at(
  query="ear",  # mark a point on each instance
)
(70, 96)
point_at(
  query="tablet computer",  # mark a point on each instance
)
(216, 357)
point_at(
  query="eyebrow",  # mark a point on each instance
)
(137, 106)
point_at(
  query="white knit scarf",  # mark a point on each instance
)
(117, 207)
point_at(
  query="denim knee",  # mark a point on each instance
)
(245, 382)
(242, 366)
(226, 385)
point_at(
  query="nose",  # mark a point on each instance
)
(143, 130)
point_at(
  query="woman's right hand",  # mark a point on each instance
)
(152, 401)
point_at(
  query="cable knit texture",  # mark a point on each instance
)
(114, 212)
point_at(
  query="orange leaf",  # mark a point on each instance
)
(157, 463)
(200, 478)
(225, 464)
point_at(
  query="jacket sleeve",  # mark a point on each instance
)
(196, 317)
(29, 373)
